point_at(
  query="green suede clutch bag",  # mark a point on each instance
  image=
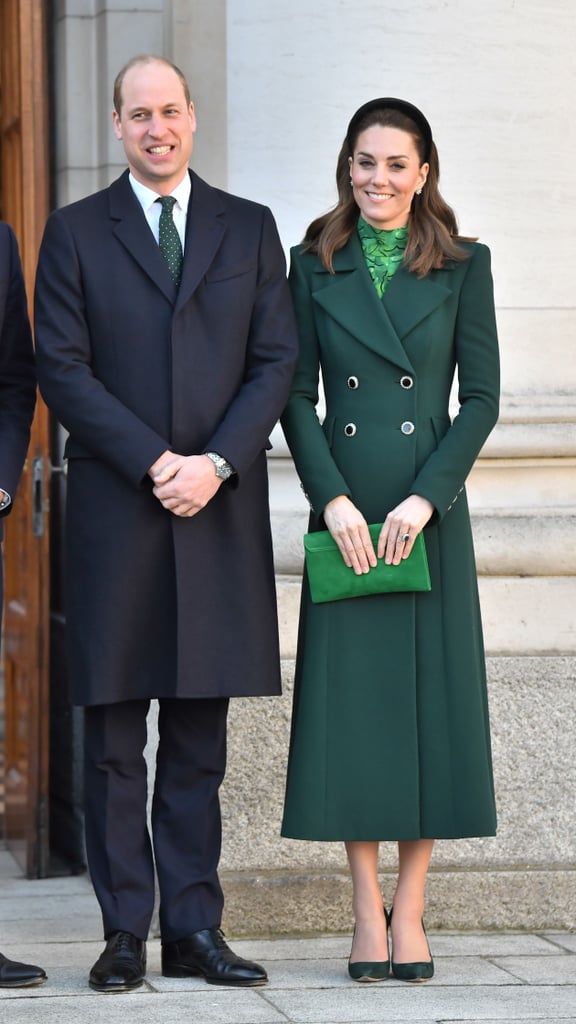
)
(330, 578)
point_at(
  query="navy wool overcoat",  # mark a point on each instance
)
(157, 605)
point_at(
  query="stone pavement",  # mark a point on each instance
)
(485, 977)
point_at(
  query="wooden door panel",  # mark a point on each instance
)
(24, 204)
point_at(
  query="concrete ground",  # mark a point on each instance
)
(486, 977)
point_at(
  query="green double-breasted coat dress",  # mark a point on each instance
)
(390, 735)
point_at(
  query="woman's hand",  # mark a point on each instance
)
(404, 521)
(350, 531)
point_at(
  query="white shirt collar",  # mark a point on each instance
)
(147, 197)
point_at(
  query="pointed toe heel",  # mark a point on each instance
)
(371, 970)
(378, 970)
(417, 971)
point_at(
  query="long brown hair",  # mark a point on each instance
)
(432, 228)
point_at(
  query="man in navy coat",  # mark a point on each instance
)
(166, 345)
(17, 400)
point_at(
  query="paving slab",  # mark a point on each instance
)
(467, 971)
(325, 947)
(148, 1008)
(77, 926)
(50, 906)
(566, 940)
(398, 1003)
(309, 973)
(32, 888)
(69, 963)
(71, 953)
(550, 970)
(68, 973)
(491, 944)
(11, 872)
(444, 944)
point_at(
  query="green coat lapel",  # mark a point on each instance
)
(350, 298)
(409, 299)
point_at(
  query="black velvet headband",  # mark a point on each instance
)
(390, 103)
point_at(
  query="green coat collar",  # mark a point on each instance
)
(350, 298)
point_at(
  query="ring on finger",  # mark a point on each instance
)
(403, 538)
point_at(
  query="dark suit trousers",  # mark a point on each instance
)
(186, 824)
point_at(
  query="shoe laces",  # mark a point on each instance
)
(124, 943)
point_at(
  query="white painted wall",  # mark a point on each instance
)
(496, 80)
(491, 77)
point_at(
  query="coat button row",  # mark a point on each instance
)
(407, 428)
(406, 382)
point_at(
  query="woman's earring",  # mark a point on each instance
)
(351, 183)
(418, 191)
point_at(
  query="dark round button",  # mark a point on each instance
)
(407, 427)
(353, 383)
(406, 382)
(350, 429)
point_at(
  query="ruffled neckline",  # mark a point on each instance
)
(383, 250)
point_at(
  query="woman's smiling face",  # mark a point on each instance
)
(386, 172)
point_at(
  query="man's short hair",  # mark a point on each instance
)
(146, 58)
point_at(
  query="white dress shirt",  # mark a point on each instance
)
(152, 209)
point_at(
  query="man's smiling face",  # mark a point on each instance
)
(156, 126)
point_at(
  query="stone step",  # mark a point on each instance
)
(509, 541)
(315, 902)
(531, 615)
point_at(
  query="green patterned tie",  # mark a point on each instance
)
(169, 239)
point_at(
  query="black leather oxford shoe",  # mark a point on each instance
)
(16, 975)
(122, 965)
(206, 953)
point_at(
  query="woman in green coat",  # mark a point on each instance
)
(390, 737)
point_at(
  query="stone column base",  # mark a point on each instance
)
(298, 904)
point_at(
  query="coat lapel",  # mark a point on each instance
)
(351, 299)
(409, 299)
(133, 232)
(205, 228)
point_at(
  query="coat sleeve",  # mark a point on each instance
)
(271, 351)
(320, 476)
(443, 475)
(96, 419)
(17, 373)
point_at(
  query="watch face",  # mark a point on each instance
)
(222, 468)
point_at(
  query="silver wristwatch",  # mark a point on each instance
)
(223, 468)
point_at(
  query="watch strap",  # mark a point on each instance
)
(222, 466)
